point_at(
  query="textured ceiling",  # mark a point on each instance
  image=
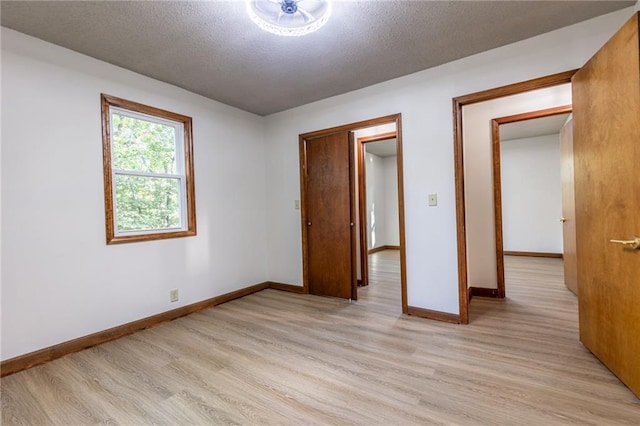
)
(531, 128)
(384, 148)
(213, 48)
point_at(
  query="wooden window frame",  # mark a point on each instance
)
(188, 204)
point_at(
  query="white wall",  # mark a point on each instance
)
(478, 163)
(59, 278)
(424, 99)
(382, 199)
(376, 200)
(531, 194)
(392, 230)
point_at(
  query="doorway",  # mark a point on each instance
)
(331, 233)
(527, 186)
(606, 130)
(463, 211)
(378, 217)
(377, 168)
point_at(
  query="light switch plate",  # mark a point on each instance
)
(433, 200)
(297, 204)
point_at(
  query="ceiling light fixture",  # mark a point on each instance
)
(289, 17)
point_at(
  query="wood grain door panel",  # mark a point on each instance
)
(568, 208)
(606, 100)
(329, 216)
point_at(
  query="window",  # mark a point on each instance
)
(148, 172)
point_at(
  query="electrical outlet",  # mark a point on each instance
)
(173, 295)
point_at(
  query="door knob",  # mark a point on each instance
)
(352, 224)
(308, 223)
(632, 244)
(563, 219)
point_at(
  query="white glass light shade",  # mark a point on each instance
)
(289, 17)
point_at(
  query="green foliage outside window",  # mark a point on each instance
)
(144, 202)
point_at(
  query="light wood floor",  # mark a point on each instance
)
(383, 294)
(281, 358)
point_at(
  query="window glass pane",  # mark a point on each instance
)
(147, 203)
(142, 146)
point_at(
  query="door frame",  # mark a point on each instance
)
(458, 152)
(302, 138)
(362, 199)
(497, 179)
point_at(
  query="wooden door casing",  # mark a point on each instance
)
(497, 182)
(362, 216)
(329, 216)
(606, 100)
(568, 208)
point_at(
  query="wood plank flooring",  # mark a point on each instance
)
(383, 294)
(287, 359)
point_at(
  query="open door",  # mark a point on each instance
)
(329, 214)
(568, 208)
(606, 107)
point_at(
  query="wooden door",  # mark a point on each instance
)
(606, 101)
(330, 231)
(568, 208)
(363, 220)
